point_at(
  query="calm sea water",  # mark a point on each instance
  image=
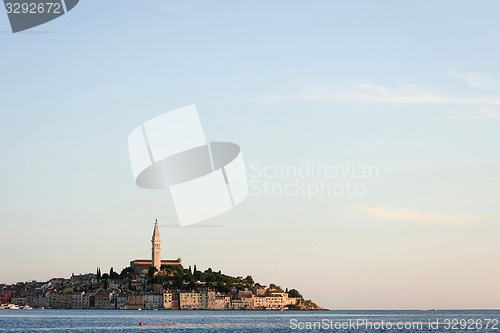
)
(86, 321)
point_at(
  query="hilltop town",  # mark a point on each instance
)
(151, 290)
(150, 285)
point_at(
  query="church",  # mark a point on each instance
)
(140, 264)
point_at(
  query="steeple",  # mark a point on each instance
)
(156, 247)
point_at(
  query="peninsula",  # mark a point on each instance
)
(153, 284)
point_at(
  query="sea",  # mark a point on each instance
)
(85, 321)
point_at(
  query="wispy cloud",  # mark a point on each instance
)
(478, 81)
(481, 101)
(367, 93)
(423, 217)
(490, 114)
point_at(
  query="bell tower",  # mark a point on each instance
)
(156, 247)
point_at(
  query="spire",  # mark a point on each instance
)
(156, 247)
(156, 231)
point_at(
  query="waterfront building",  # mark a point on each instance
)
(85, 301)
(218, 301)
(153, 301)
(135, 301)
(247, 302)
(74, 300)
(167, 300)
(121, 300)
(20, 301)
(103, 299)
(190, 300)
(53, 297)
(275, 302)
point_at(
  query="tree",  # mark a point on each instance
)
(151, 272)
(126, 272)
(179, 281)
(249, 280)
(98, 275)
(113, 275)
(222, 288)
(275, 287)
(294, 293)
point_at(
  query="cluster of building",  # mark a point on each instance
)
(90, 292)
(61, 294)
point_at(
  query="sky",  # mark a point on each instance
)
(400, 100)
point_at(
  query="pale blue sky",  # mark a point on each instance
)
(411, 87)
